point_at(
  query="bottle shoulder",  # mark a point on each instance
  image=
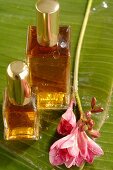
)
(62, 48)
(10, 107)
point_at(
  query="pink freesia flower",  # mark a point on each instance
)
(68, 121)
(64, 150)
(74, 149)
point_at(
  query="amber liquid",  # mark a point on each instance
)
(50, 69)
(20, 122)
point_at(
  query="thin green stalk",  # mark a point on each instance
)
(77, 55)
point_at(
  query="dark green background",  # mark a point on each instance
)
(95, 77)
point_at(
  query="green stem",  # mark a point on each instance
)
(79, 105)
(77, 57)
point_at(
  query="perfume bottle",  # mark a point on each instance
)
(48, 57)
(21, 120)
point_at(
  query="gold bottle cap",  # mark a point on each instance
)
(18, 83)
(47, 22)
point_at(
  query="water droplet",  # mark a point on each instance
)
(107, 116)
(63, 44)
(40, 137)
(104, 4)
(94, 9)
(99, 7)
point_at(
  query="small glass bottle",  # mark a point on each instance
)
(19, 105)
(48, 57)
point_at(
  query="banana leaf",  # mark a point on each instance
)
(95, 78)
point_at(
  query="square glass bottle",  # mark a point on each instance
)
(48, 57)
(20, 116)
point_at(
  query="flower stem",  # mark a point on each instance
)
(79, 105)
(77, 56)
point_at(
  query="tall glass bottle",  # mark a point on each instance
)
(19, 106)
(48, 57)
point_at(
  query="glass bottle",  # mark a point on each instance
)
(20, 115)
(48, 57)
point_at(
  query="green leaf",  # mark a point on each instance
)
(95, 77)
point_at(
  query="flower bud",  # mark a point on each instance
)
(90, 124)
(94, 133)
(97, 110)
(93, 102)
(88, 114)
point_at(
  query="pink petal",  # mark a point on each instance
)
(90, 157)
(72, 139)
(94, 147)
(79, 161)
(74, 150)
(69, 163)
(55, 158)
(59, 142)
(53, 151)
(68, 143)
(64, 155)
(82, 143)
(64, 127)
(67, 156)
(70, 117)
